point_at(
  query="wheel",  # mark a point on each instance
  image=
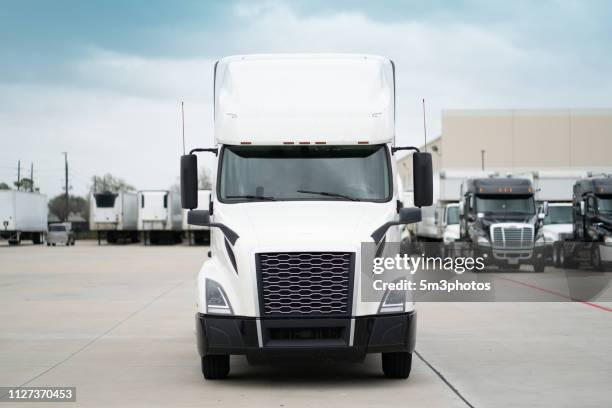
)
(539, 265)
(397, 365)
(596, 257)
(555, 256)
(53, 244)
(215, 367)
(48, 244)
(565, 259)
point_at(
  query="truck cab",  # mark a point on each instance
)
(558, 222)
(304, 176)
(498, 218)
(450, 225)
(591, 239)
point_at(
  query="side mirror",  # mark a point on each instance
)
(582, 210)
(541, 216)
(189, 181)
(545, 208)
(409, 215)
(422, 179)
(198, 217)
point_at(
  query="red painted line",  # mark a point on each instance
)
(552, 292)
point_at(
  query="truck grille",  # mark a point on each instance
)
(305, 283)
(512, 237)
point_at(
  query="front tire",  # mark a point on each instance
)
(397, 365)
(216, 367)
(596, 257)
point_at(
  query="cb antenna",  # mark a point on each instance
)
(424, 125)
(183, 122)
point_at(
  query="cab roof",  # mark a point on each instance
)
(596, 185)
(500, 185)
(277, 99)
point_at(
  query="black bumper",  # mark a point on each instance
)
(322, 337)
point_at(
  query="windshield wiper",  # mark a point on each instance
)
(252, 197)
(328, 194)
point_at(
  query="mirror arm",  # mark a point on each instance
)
(413, 215)
(380, 232)
(395, 149)
(210, 149)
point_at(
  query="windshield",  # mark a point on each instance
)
(57, 228)
(558, 215)
(508, 205)
(452, 215)
(305, 173)
(604, 205)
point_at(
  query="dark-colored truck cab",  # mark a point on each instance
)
(591, 240)
(498, 219)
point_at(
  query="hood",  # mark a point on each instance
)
(304, 224)
(490, 219)
(557, 229)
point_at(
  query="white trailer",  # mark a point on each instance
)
(555, 185)
(23, 215)
(304, 147)
(197, 234)
(115, 215)
(160, 216)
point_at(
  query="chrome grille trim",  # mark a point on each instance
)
(512, 237)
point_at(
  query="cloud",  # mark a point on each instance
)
(118, 111)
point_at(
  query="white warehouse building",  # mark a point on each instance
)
(533, 143)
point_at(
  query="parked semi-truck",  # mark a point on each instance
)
(23, 215)
(114, 215)
(305, 176)
(590, 242)
(557, 224)
(160, 217)
(499, 222)
(197, 234)
(433, 227)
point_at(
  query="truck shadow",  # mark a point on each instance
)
(299, 371)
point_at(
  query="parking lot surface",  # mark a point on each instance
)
(117, 323)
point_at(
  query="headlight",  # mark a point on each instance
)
(216, 299)
(482, 240)
(394, 301)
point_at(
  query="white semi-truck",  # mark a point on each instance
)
(114, 215)
(304, 147)
(553, 194)
(160, 217)
(23, 215)
(197, 234)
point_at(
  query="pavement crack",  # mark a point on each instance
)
(113, 327)
(448, 384)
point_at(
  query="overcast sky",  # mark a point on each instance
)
(103, 81)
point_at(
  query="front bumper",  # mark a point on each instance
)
(336, 338)
(512, 256)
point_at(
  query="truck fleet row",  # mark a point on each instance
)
(156, 215)
(539, 218)
(124, 216)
